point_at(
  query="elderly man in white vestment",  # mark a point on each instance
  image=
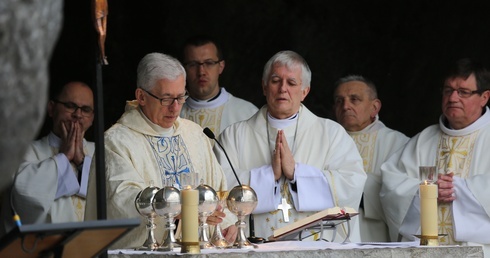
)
(151, 141)
(458, 147)
(51, 183)
(291, 157)
(356, 107)
(208, 104)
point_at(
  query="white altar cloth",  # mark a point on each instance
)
(283, 246)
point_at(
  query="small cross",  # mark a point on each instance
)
(284, 206)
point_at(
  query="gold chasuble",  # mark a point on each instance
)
(79, 205)
(455, 153)
(77, 201)
(365, 143)
(210, 118)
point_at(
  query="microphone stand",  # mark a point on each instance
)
(210, 134)
(252, 238)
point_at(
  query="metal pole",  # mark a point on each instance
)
(99, 144)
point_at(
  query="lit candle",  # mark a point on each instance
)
(190, 222)
(428, 209)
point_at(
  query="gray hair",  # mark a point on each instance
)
(288, 59)
(360, 78)
(157, 66)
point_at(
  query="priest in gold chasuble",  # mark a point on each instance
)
(356, 106)
(458, 147)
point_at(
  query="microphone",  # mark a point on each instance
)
(211, 136)
(252, 238)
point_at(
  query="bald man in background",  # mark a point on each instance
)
(51, 183)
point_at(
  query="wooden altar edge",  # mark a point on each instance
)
(74, 239)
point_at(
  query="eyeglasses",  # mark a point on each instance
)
(206, 64)
(463, 93)
(72, 107)
(169, 101)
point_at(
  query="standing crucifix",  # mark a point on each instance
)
(285, 207)
(100, 13)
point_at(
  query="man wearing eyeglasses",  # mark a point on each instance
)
(209, 104)
(151, 142)
(458, 147)
(51, 183)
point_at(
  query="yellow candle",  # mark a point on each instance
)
(428, 209)
(190, 222)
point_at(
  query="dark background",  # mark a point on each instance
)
(400, 45)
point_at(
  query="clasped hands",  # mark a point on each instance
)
(282, 158)
(445, 188)
(72, 141)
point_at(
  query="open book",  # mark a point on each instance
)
(334, 213)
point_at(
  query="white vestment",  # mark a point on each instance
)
(441, 146)
(47, 187)
(219, 113)
(375, 143)
(138, 153)
(328, 169)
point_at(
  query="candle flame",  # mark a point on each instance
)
(425, 181)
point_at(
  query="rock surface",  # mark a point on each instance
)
(28, 33)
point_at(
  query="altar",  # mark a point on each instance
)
(293, 249)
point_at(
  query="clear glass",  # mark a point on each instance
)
(428, 173)
(188, 180)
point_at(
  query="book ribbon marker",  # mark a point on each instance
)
(285, 207)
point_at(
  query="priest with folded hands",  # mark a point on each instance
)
(297, 163)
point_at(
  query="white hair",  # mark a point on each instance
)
(157, 66)
(288, 59)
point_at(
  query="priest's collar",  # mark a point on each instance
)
(373, 127)
(281, 123)
(484, 120)
(55, 141)
(164, 132)
(214, 102)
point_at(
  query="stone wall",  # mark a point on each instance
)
(28, 32)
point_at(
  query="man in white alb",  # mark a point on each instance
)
(151, 141)
(356, 107)
(208, 104)
(458, 147)
(291, 157)
(51, 183)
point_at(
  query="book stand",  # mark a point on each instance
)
(330, 224)
(74, 239)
